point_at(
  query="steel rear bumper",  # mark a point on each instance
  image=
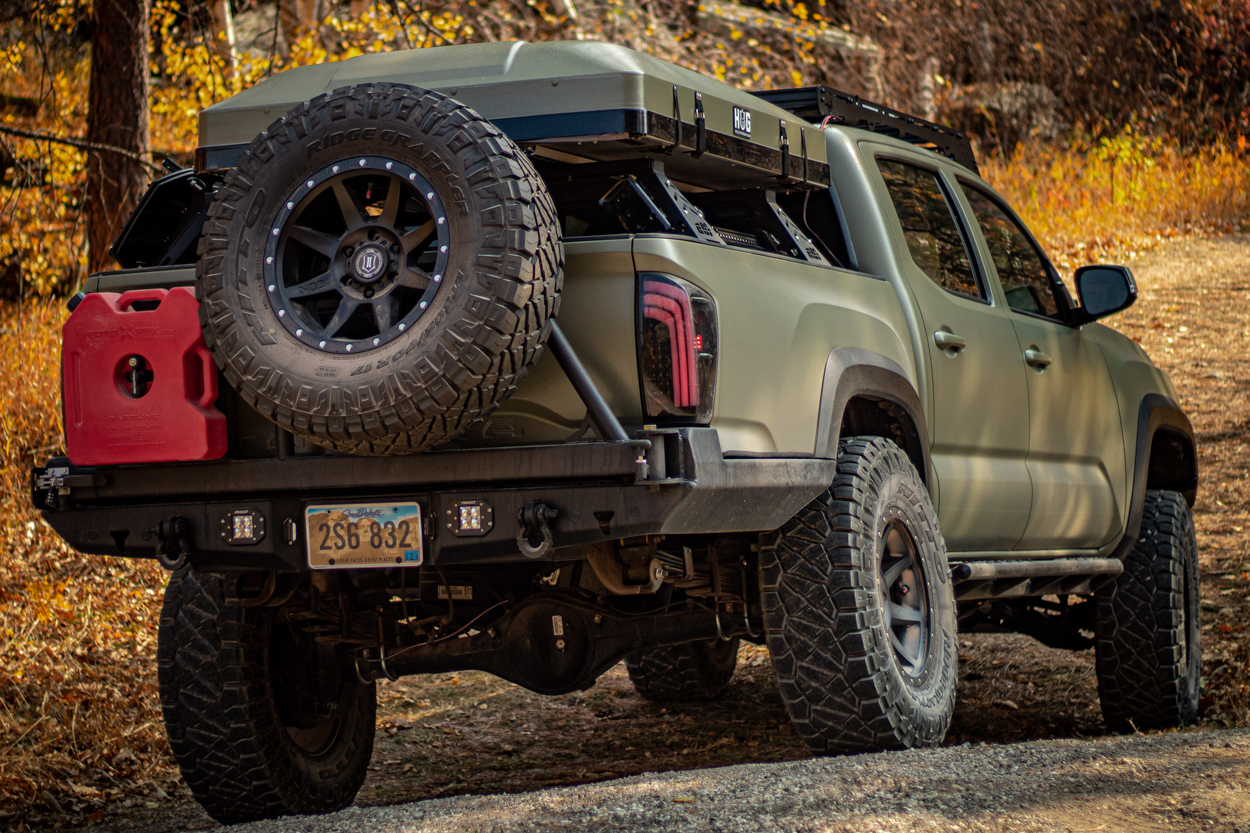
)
(673, 481)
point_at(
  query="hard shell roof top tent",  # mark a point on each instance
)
(573, 100)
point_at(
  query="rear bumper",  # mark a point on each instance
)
(673, 482)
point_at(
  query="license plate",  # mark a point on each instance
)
(374, 535)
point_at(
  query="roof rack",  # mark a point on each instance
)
(821, 103)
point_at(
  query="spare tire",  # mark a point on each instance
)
(379, 270)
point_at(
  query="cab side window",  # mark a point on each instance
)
(1021, 268)
(930, 227)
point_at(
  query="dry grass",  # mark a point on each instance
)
(78, 710)
(1122, 196)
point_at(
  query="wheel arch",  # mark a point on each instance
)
(1165, 457)
(867, 394)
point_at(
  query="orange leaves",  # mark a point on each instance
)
(1125, 194)
(76, 632)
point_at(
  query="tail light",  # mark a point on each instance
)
(677, 344)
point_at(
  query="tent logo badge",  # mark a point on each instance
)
(742, 122)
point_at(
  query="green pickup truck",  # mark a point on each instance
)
(530, 358)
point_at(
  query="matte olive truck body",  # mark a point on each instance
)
(647, 365)
(1033, 464)
(1010, 472)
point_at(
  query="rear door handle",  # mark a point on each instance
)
(1037, 359)
(949, 342)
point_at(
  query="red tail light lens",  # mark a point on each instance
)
(677, 344)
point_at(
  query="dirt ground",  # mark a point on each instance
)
(454, 734)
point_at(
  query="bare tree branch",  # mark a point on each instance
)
(277, 29)
(403, 24)
(81, 144)
(425, 24)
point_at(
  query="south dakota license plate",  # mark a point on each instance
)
(374, 535)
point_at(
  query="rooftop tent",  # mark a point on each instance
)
(577, 100)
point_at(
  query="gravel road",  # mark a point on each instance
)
(1197, 780)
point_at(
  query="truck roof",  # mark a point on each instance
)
(826, 106)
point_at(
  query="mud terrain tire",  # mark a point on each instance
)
(226, 694)
(379, 270)
(693, 671)
(1148, 630)
(860, 610)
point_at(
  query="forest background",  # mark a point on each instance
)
(1110, 126)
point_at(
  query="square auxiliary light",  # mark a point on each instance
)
(241, 527)
(470, 518)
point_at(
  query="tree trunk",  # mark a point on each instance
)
(117, 114)
(223, 35)
(298, 17)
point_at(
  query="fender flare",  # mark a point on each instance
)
(1155, 413)
(851, 372)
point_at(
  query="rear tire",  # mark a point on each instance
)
(1148, 629)
(692, 671)
(860, 610)
(239, 695)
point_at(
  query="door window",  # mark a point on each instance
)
(930, 228)
(1021, 267)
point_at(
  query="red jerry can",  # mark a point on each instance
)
(138, 381)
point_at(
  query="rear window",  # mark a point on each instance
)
(815, 213)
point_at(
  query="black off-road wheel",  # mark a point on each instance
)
(692, 671)
(860, 610)
(1148, 630)
(263, 721)
(379, 270)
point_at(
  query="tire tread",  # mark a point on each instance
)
(691, 671)
(823, 627)
(221, 723)
(1146, 678)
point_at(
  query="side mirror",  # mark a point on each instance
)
(1105, 290)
